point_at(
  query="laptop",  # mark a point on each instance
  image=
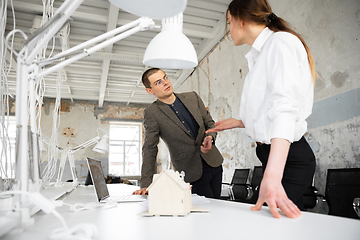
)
(101, 190)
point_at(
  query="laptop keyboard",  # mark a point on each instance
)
(118, 197)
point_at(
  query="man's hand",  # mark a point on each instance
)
(207, 144)
(141, 191)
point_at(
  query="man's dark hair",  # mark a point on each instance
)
(147, 74)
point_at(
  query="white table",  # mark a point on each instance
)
(226, 220)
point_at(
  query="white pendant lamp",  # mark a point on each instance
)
(155, 9)
(171, 48)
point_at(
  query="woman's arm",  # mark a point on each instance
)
(226, 124)
(271, 190)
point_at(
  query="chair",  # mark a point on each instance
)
(356, 205)
(255, 183)
(257, 176)
(238, 188)
(342, 187)
(311, 198)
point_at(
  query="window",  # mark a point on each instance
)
(125, 148)
(7, 163)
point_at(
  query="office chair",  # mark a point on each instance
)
(356, 205)
(238, 188)
(342, 187)
(312, 197)
(255, 184)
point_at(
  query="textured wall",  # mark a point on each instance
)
(332, 30)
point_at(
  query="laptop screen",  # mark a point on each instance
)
(97, 176)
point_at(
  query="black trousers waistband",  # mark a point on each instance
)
(301, 139)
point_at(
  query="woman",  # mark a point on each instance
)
(277, 97)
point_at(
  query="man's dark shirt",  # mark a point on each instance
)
(185, 117)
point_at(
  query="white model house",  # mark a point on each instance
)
(169, 195)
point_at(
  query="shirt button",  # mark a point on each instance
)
(182, 121)
(188, 131)
(177, 112)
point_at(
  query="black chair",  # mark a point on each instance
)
(342, 187)
(257, 176)
(311, 198)
(239, 189)
(356, 205)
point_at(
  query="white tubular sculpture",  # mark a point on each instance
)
(69, 154)
(28, 71)
(27, 179)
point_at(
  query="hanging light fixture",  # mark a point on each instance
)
(153, 9)
(171, 48)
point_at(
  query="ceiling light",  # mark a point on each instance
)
(171, 48)
(153, 9)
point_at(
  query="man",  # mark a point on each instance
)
(181, 121)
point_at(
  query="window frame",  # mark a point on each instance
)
(138, 123)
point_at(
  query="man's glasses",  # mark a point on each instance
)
(161, 81)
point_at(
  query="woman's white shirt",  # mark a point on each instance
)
(278, 91)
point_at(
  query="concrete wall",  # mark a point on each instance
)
(331, 28)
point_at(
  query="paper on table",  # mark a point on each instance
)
(198, 199)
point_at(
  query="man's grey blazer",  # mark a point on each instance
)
(161, 121)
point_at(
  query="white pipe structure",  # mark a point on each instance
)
(69, 154)
(27, 157)
(138, 25)
(83, 45)
(28, 71)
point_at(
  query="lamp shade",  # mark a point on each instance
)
(103, 145)
(155, 9)
(171, 48)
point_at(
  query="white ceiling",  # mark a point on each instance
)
(114, 74)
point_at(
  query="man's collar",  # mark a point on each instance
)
(176, 99)
(159, 101)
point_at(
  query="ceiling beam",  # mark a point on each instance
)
(92, 77)
(116, 57)
(38, 8)
(219, 32)
(209, 5)
(113, 17)
(182, 78)
(140, 77)
(25, 6)
(124, 99)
